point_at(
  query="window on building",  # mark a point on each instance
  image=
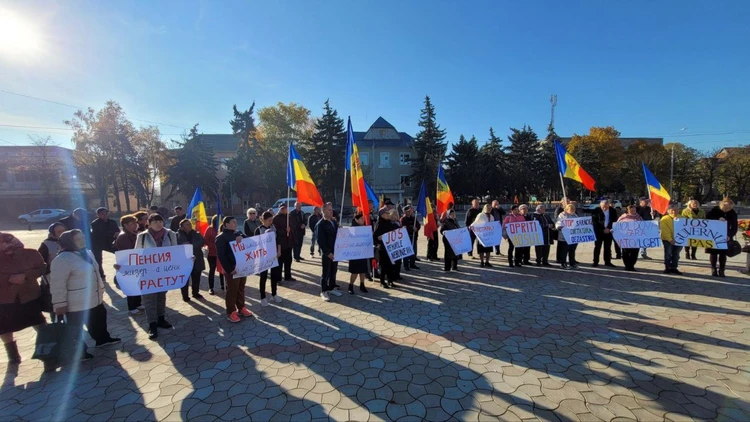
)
(385, 160)
(404, 158)
(405, 181)
(364, 158)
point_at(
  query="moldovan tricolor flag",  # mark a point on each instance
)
(359, 191)
(299, 180)
(372, 197)
(444, 195)
(430, 225)
(570, 168)
(196, 212)
(659, 196)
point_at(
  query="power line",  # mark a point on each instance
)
(18, 127)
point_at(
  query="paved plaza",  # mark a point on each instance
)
(483, 344)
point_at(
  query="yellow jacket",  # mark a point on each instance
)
(688, 213)
(666, 225)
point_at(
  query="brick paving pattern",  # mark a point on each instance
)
(483, 344)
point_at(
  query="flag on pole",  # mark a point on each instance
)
(299, 180)
(359, 191)
(219, 215)
(372, 196)
(444, 195)
(421, 205)
(570, 168)
(659, 196)
(430, 225)
(197, 212)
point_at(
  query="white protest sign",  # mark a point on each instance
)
(578, 230)
(700, 233)
(459, 239)
(397, 244)
(527, 233)
(488, 234)
(255, 254)
(637, 234)
(154, 270)
(353, 243)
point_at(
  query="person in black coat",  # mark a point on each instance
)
(187, 236)
(548, 234)
(76, 220)
(285, 239)
(450, 258)
(266, 226)
(647, 214)
(387, 269)
(412, 225)
(498, 214)
(179, 215)
(104, 231)
(235, 296)
(312, 221)
(327, 229)
(298, 224)
(358, 267)
(603, 218)
(471, 215)
(724, 212)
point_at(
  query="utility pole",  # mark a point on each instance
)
(553, 103)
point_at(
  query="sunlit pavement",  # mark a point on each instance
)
(482, 344)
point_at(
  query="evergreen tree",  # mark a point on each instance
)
(243, 167)
(493, 162)
(429, 148)
(325, 152)
(194, 165)
(524, 158)
(461, 167)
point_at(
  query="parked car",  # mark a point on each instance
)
(307, 209)
(43, 215)
(588, 208)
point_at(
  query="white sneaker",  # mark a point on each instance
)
(136, 312)
(277, 299)
(336, 293)
(325, 297)
(264, 302)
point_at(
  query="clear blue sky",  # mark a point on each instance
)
(648, 68)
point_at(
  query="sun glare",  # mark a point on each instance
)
(18, 37)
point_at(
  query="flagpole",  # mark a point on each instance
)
(288, 192)
(562, 183)
(343, 195)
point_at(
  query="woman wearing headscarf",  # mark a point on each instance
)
(630, 255)
(724, 212)
(209, 237)
(155, 304)
(78, 289)
(568, 253)
(20, 295)
(484, 252)
(693, 210)
(548, 232)
(49, 250)
(126, 241)
(450, 258)
(358, 267)
(188, 236)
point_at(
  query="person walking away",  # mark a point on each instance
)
(327, 229)
(693, 210)
(179, 215)
(20, 295)
(484, 252)
(76, 220)
(513, 217)
(209, 238)
(188, 236)
(285, 239)
(630, 255)
(251, 223)
(268, 227)
(498, 213)
(103, 232)
(602, 219)
(386, 271)
(449, 257)
(525, 251)
(155, 304)
(298, 223)
(235, 297)
(671, 250)
(548, 235)
(724, 212)
(647, 214)
(49, 250)
(412, 225)
(471, 215)
(358, 267)
(78, 290)
(312, 222)
(126, 240)
(568, 254)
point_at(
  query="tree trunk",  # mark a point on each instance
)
(116, 189)
(126, 190)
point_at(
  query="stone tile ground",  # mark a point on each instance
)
(482, 344)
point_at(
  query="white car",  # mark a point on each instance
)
(307, 209)
(43, 215)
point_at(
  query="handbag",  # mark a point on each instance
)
(733, 248)
(56, 342)
(46, 296)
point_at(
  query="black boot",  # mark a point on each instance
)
(152, 334)
(162, 323)
(385, 285)
(351, 289)
(12, 350)
(714, 273)
(362, 288)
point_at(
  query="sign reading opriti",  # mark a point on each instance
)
(526, 233)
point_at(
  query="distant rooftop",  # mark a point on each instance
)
(220, 142)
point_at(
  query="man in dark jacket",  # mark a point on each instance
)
(410, 222)
(298, 224)
(76, 220)
(235, 296)
(471, 215)
(103, 233)
(647, 214)
(179, 215)
(312, 222)
(603, 218)
(285, 240)
(498, 213)
(327, 229)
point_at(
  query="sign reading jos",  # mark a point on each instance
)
(353, 243)
(578, 230)
(153, 270)
(700, 233)
(637, 234)
(255, 254)
(527, 233)
(397, 244)
(489, 234)
(459, 239)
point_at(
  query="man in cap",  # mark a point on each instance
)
(104, 232)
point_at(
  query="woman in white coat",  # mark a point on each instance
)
(484, 252)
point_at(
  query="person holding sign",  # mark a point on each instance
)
(471, 215)
(693, 210)
(548, 230)
(127, 240)
(209, 237)
(602, 219)
(188, 236)
(724, 212)
(268, 227)
(671, 250)
(525, 251)
(630, 255)
(235, 296)
(450, 258)
(387, 268)
(568, 251)
(358, 267)
(410, 222)
(513, 217)
(484, 252)
(327, 229)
